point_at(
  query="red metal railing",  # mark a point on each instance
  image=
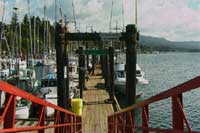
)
(71, 122)
(123, 121)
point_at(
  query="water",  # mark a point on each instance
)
(165, 71)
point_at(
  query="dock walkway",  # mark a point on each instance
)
(95, 111)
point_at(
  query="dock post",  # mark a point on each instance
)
(131, 59)
(67, 81)
(81, 63)
(87, 57)
(61, 85)
(93, 64)
(111, 60)
(107, 72)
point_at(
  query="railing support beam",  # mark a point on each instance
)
(176, 113)
(9, 121)
(145, 118)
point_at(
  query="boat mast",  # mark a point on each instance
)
(55, 11)
(38, 40)
(34, 37)
(44, 43)
(20, 39)
(2, 27)
(136, 12)
(30, 31)
(123, 15)
(74, 15)
(111, 13)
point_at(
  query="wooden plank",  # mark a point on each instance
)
(95, 111)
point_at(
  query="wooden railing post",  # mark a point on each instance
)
(176, 113)
(10, 115)
(145, 118)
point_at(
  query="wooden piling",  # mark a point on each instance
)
(107, 71)
(61, 84)
(81, 71)
(111, 60)
(87, 57)
(131, 59)
(67, 81)
(93, 64)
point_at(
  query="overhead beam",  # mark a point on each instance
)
(94, 36)
(82, 37)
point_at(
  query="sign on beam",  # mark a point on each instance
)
(96, 52)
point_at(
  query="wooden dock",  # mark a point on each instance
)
(95, 111)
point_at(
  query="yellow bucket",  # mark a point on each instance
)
(77, 105)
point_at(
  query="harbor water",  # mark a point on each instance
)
(164, 71)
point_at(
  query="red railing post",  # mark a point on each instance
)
(109, 125)
(124, 123)
(130, 121)
(72, 121)
(56, 121)
(42, 119)
(10, 115)
(116, 123)
(145, 118)
(176, 113)
(80, 127)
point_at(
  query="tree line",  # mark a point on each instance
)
(32, 36)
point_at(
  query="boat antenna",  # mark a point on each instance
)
(74, 15)
(111, 13)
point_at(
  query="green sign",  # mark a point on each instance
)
(96, 52)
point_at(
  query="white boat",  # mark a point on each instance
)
(120, 77)
(49, 90)
(140, 76)
(22, 112)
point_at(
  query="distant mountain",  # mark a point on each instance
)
(164, 45)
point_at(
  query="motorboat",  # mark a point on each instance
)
(120, 76)
(140, 75)
(49, 90)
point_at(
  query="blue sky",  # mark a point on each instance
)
(172, 19)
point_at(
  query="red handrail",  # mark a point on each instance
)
(124, 120)
(70, 123)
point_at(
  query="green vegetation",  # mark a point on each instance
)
(12, 34)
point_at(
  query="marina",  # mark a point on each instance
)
(62, 72)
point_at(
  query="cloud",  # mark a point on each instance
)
(171, 19)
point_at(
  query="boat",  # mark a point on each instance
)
(120, 77)
(49, 90)
(140, 75)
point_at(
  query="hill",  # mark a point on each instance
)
(164, 45)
